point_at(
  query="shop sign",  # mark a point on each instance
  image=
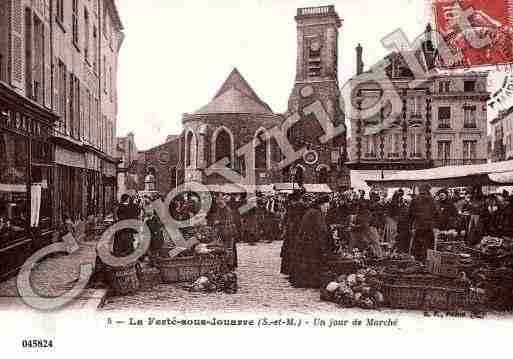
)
(69, 158)
(109, 169)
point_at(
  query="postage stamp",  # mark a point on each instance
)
(480, 31)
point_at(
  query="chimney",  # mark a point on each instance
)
(359, 61)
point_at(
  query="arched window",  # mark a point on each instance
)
(190, 150)
(262, 150)
(299, 175)
(322, 174)
(222, 146)
(173, 176)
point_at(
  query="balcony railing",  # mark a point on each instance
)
(441, 162)
(319, 10)
(444, 126)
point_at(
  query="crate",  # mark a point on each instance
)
(149, 277)
(123, 280)
(444, 264)
(186, 269)
(423, 292)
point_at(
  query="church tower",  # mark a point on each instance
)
(316, 76)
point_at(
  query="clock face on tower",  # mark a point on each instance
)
(315, 46)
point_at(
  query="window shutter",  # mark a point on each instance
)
(56, 83)
(69, 101)
(16, 60)
(47, 67)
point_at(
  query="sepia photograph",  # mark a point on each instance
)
(307, 168)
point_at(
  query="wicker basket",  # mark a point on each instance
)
(343, 266)
(424, 292)
(123, 280)
(186, 269)
(388, 262)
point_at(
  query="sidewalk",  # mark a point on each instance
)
(54, 276)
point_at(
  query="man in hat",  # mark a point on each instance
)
(424, 216)
(313, 248)
(295, 212)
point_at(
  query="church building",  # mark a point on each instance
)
(232, 132)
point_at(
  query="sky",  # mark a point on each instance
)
(177, 53)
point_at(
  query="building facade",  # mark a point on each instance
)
(87, 36)
(502, 136)
(440, 121)
(58, 66)
(163, 164)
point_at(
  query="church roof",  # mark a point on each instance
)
(235, 96)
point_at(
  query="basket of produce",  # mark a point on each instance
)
(452, 246)
(354, 290)
(191, 264)
(203, 234)
(123, 280)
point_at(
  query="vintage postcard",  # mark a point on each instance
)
(178, 176)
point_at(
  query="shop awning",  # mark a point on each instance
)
(469, 175)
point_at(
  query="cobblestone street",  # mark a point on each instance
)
(261, 288)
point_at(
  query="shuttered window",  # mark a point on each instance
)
(74, 23)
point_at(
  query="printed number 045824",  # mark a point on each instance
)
(37, 343)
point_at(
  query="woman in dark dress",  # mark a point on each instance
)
(295, 212)
(313, 248)
(124, 239)
(223, 219)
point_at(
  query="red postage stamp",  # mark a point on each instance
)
(477, 32)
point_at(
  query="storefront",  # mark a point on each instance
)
(26, 179)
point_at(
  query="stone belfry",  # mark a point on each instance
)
(317, 80)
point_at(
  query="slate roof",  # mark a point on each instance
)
(235, 96)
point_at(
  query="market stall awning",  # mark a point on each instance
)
(447, 176)
(309, 187)
(502, 178)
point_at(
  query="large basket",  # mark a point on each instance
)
(186, 269)
(343, 266)
(123, 280)
(389, 262)
(424, 292)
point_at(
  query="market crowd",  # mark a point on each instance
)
(315, 227)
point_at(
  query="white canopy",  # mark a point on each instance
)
(502, 178)
(449, 175)
(309, 187)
